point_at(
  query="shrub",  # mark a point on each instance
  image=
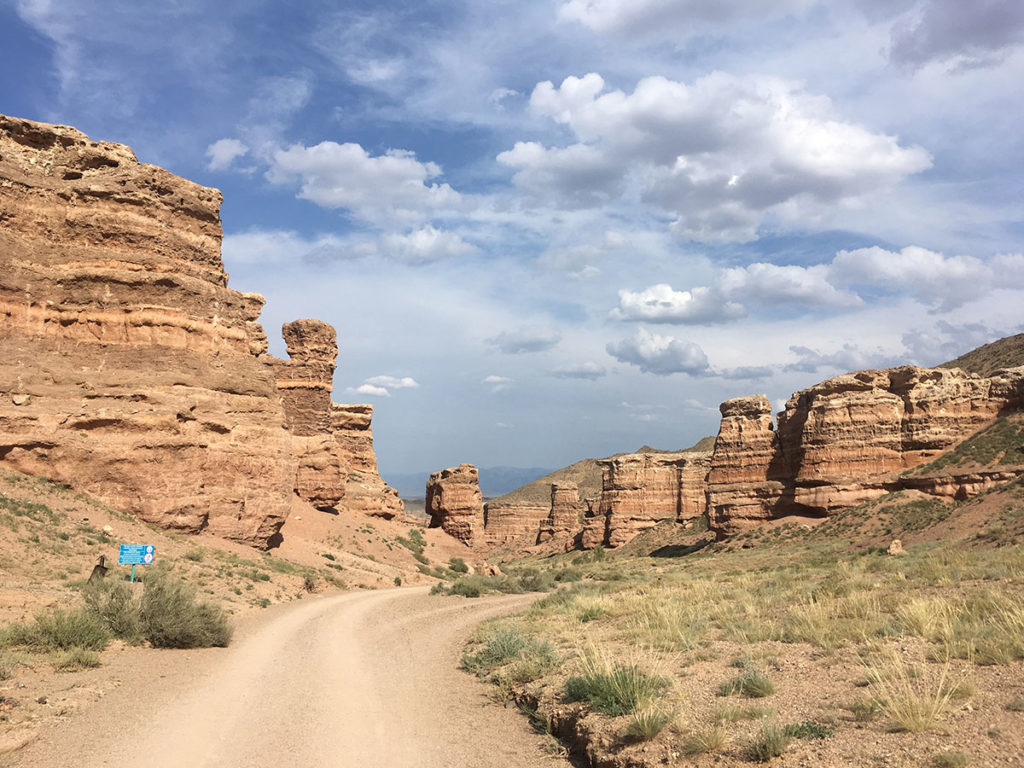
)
(771, 742)
(458, 565)
(173, 618)
(60, 630)
(753, 685)
(1015, 704)
(195, 555)
(398, 581)
(466, 587)
(117, 605)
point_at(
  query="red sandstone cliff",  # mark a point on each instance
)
(850, 439)
(130, 369)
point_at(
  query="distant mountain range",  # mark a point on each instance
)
(494, 481)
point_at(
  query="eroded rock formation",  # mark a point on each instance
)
(513, 524)
(130, 370)
(365, 490)
(563, 520)
(850, 439)
(455, 503)
(641, 489)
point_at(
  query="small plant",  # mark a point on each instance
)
(614, 689)
(398, 581)
(458, 565)
(195, 555)
(648, 722)
(770, 743)
(706, 740)
(309, 583)
(735, 714)
(809, 729)
(1015, 704)
(60, 630)
(76, 659)
(912, 704)
(950, 760)
(863, 711)
(752, 684)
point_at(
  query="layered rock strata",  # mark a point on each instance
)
(563, 519)
(848, 440)
(639, 490)
(513, 524)
(455, 503)
(365, 490)
(130, 370)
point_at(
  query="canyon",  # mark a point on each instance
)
(132, 372)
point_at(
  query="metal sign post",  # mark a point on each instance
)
(136, 554)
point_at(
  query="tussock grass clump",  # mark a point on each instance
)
(912, 702)
(738, 713)
(76, 659)
(614, 688)
(705, 740)
(771, 742)
(752, 684)
(1015, 704)
(59, 630)
(509, 656)
(648, 722)
(474, 585)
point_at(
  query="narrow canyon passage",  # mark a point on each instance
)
(361, 679)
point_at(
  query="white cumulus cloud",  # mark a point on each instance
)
(425, 245)
(370, 389)
(660, 355)
(393, 382)
(392, 188)
(721, 154)
(224, 152)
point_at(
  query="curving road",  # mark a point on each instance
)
(362, 679)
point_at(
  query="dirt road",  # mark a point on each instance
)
(365, 679)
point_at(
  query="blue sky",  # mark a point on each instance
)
(563, 228)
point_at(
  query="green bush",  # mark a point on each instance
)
(458, 565)
(60, 631)
(809, 729)
(173, 618)
(117, 605)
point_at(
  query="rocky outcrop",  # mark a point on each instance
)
(849, 440)
(130, 370)
(641, 489)
(455, 504)
(513, 524)
(563, 518)
(365, 490)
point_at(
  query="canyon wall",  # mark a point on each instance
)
(131, 370)
(639, 490)
(850, 439)
(513, 524)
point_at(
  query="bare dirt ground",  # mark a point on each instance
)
(358, 679)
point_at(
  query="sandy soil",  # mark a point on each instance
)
(358, 679)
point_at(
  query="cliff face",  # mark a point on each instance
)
(130, 369)
(455, 504)
(641, 489)
(848, 440)
(513, 524)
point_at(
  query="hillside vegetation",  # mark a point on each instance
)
(795, 640)
(586, 474)
(986, 360)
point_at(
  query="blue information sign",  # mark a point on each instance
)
(136, 554)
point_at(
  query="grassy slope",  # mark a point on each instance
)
(1004, 353)
(585, 473)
